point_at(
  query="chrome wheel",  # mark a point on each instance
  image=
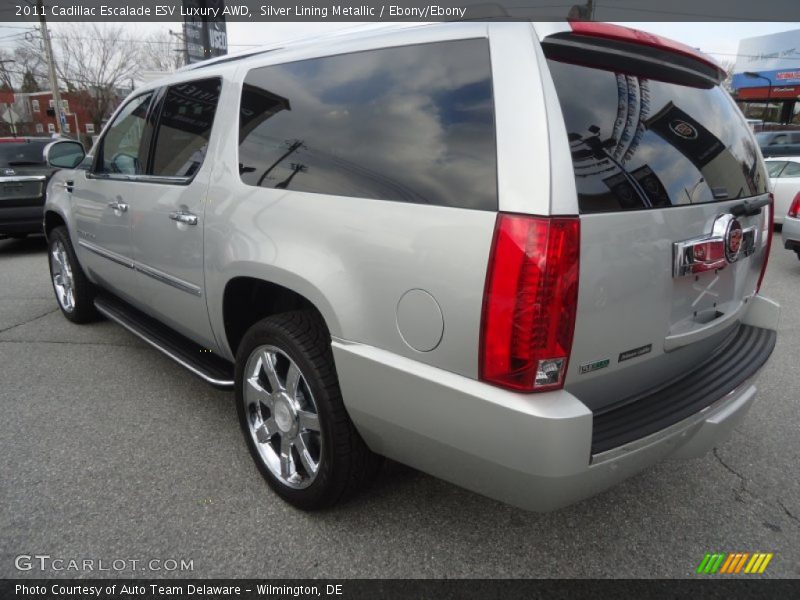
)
(61, 272)
(282, 417)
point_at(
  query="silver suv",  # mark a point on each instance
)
(522, 258)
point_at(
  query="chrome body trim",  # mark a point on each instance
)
(223, 383)
(21, 178)
(180, 284)
(165, 278)
(112, 256)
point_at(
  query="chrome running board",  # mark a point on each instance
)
(207, 366)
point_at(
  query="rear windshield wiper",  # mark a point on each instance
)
(749, 208)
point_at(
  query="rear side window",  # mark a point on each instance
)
(410, 124)
(640, 143)
(184, 127)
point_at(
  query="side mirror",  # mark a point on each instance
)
(64, 154)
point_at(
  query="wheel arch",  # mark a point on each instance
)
(53, 219)
(247, 299)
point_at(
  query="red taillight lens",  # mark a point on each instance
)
(530, 301)
(794, 209)
(769, 226)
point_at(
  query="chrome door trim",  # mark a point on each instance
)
(175, 282)
(166, 278)
(112, 256)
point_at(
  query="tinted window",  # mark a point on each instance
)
(19, 154)
(413, 124)
(774, 167)
(779, 140)
(124, 149)
(792, 170)
(642, 143)
(184, 127)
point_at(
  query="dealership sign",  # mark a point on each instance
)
(204, 28)
(775, 56)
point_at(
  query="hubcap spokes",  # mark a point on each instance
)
(62, 276)
(282, 417)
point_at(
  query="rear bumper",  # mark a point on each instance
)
(790, 234)
(532, 451)
(26, 218)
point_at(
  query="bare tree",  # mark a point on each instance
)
(6, 79)
(96, 60)
(161, 51)
(29, 55)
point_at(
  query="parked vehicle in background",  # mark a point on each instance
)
(480, 249)
(23, 180)
(784, 176)
(755, 124)
(791, 227)
(779, 143)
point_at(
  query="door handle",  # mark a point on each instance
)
(181, 216)
(69, 186)
(120, 206)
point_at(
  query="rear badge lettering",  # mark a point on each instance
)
(634, 352)
(594, 366)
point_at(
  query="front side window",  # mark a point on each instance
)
(184, 127)
(124, 150)
(410, 124)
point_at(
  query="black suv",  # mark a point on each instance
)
(23, 180)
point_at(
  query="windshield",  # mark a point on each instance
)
(639, 143)
(19, 154)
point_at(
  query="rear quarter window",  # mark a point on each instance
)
(409, 124)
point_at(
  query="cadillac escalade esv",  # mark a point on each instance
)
(524, 258)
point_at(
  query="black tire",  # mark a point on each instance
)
(83, 291)
(346, 464)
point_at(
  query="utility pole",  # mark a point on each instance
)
(51, 64)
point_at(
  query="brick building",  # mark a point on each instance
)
(33, 114)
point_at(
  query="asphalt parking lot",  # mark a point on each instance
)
(108, 450)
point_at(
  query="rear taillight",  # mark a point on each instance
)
(794, 209)
(530, 301)
(769, 225)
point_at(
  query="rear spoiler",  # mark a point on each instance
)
(622, 49)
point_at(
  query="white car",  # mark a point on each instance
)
(784, 176)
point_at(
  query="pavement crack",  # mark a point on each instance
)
(728, 467)
(788, 512)
(31, 320)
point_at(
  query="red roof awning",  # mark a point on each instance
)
(778, 92)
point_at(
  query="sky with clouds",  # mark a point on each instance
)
(720, 39)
